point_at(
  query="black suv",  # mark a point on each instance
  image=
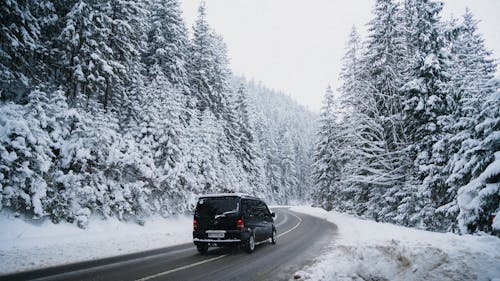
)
(232, 218)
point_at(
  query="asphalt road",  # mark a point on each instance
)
(301, 238)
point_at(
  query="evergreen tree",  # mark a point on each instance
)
(325, 169)
(168, 42)
(99, 42)
(479, 160)
(427, 108)
(288, 170)
(88, 174)
(127, 43)
(356, 102)
(27, 153)
(220, 72)
(21, 48)
(384, 139)
(247, 152)
(471, 84)
(471, 194)
(201, 61)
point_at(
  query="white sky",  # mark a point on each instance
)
(296, 46)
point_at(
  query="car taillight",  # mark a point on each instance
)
(240, 225)
(195, 224)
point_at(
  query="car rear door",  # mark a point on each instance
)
(217, 213)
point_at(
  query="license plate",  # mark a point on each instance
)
(215, 234)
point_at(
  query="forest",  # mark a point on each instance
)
(412, 136)
(117, 109)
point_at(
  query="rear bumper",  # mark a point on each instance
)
(196, 240)
(231, 237)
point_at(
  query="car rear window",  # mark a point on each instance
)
(209, 207)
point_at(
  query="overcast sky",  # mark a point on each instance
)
(296, 46)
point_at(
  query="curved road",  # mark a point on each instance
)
(300, 239)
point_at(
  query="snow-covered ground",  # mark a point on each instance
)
(29, 245)
(367, 250)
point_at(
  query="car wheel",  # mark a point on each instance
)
(274, 236)
(250, 245)
(202, 248)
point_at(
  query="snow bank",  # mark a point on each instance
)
(26, 245)
(367, 250)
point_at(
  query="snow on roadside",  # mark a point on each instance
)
(32, 245)
(367, 250)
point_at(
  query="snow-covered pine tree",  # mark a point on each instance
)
(150, 136)
(480, 160)
(268, 150)
(325, 167)
(427, 107)
(99, 41)
(127, 41)
(162, 104)
(288, 170)
(472, 194)
(19, 44)
(303, 164)
(201, 64)
(247, 153)
(384, 141)
(273, 172)
(89, 175)
(84, 51)
(204, 154)
(168, 42)
(220, 72)
(355, 101)
(351, 71)
(27, 153)
(129, 109)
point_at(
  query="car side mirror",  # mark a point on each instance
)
(273, 214)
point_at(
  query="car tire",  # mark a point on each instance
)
(250, 245)
(202, 248)
(274, 236)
